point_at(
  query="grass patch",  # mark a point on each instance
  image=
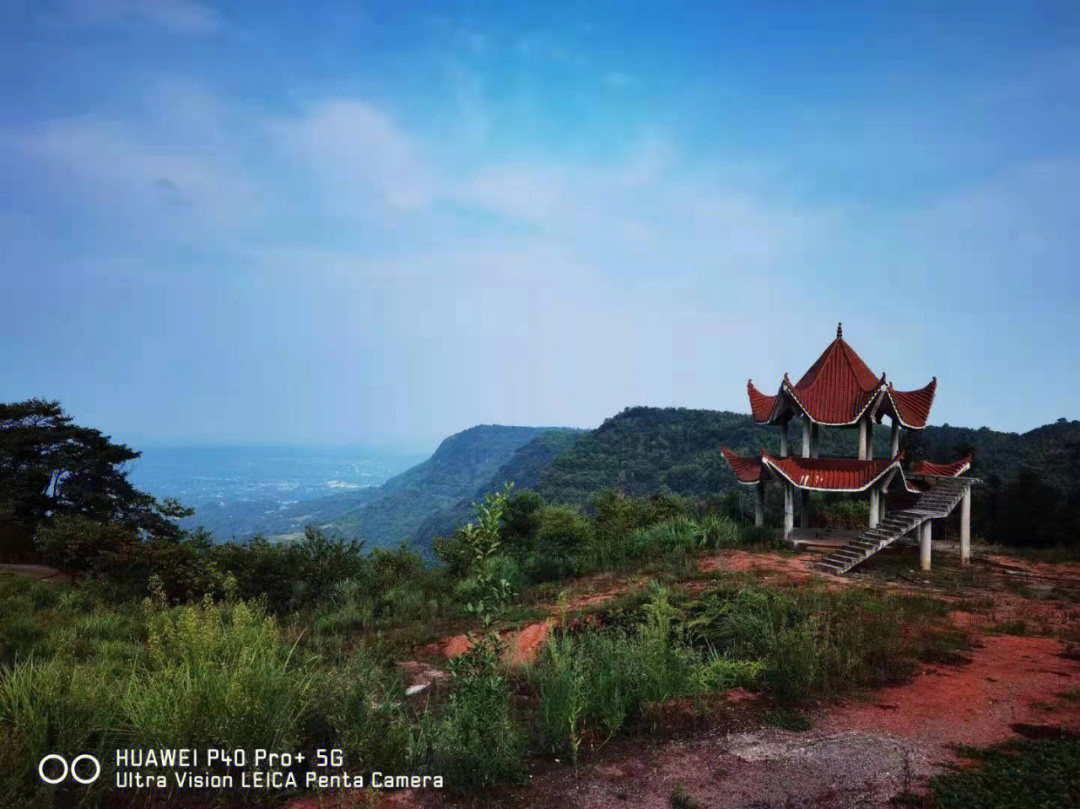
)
(1041, 772)
(814, 643)
(788, 719)
(598, 681)
(1019, 627)
(681, 799)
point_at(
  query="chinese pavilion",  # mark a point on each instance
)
(840, 390)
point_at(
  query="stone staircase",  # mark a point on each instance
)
(938, 501)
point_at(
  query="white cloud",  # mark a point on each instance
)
(171, 167)
(523, 191)
(357, 151)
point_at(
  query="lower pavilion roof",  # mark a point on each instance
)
(947, 470)
(747, 469)
(830, 474)
(834, 474)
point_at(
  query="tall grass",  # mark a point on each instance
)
(602, 680)
(209, 675)
(812, 642)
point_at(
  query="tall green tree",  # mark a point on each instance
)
(51, 467)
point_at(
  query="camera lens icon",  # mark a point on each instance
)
(72, 769)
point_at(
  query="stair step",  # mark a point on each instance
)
(830, 567)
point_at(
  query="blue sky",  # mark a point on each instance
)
(324, 223)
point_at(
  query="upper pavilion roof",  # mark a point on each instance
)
(837, 390)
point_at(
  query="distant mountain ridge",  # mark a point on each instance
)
(391, 513)
(640, 451)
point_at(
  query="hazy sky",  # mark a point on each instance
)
(293, 222)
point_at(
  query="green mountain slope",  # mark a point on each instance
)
(643, 451)
(524, 470)
(460, 467)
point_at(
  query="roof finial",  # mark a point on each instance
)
(839, 331)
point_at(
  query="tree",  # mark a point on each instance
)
(51, 467)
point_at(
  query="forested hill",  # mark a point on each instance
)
(461, 466)
(646, 450)
(524, 470)
(389, 514)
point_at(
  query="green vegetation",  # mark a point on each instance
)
(168, 639)
(813, 643)
(1018, 775)
(602, 680)
(681, 799)
(1030, 495)
(93, 677)
(789, 719)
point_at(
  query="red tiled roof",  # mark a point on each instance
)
(913, 406)
(838, 387)
(830, 474)
(747, 470)
(948, 470)
(761, 405)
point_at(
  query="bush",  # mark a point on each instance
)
(116, 552)
(602, 680)
(475, 740)
(719, 532)
(810, 642)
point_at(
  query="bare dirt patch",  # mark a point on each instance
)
(1009, 680)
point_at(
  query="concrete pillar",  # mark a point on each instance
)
(759, 504)
(783, 440)
(965, 527)
(862, 439)
(804, 508)
(894, 439)
(815, 438)
(925, 538)
(875, 505)
(806, 437)
(789, 509)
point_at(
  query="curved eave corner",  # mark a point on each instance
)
(912, 407)
(747, 469)
(762, 406)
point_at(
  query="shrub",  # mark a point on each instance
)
(719, 532)
(475, 740)
(809, 642)
(602, 680)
